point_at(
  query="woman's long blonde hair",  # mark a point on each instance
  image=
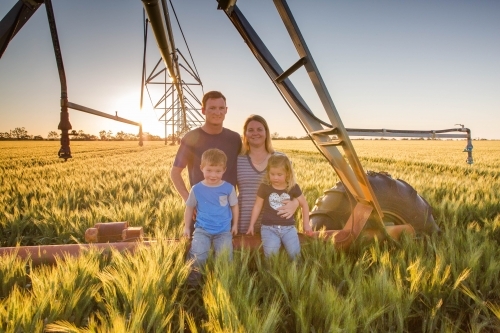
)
(281, 161)
(245, 147)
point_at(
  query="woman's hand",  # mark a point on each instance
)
(288, 209)
(250, 230)
(234, 230)
(308, 231)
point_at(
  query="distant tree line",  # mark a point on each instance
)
(276, 136)
(122, 136)
(20, 133)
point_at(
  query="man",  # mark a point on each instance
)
(211, 135)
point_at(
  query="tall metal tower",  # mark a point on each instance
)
(167, 90)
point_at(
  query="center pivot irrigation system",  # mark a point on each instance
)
(362, 206)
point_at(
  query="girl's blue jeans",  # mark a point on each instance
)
(275, 235)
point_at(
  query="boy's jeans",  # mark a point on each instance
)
(273, 235)
(202, 240)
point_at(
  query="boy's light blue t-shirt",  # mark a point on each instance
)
(213, 205)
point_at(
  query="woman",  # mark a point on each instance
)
(252, 162)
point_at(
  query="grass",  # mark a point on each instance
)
(446, 283)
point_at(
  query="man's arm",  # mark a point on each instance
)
(180, 186)
(188, 221)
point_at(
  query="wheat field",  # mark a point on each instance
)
(443, 283)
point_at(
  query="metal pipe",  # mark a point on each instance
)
(154, 12)
(145, 27)
(64, 124)
(341, 239)
(48, 254)
(101, 114)
(468, 148)
(171, 40)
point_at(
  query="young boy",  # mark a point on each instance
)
(216, 206)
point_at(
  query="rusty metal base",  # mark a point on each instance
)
(341, 239)
(47, 254)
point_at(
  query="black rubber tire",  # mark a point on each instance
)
(399, 202)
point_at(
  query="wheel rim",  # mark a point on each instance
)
(391, 218)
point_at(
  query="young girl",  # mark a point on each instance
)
(278, 185)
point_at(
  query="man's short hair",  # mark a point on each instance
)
(212, 94)
(213, 156)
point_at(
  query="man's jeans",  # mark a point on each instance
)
(275, 235)
(202, 240)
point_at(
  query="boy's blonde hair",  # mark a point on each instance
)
(213, 156)
(281, 161)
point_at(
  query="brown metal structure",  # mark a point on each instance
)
(48, 254)
(117, 236)
(180, 112)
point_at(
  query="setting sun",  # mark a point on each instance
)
(128, 106)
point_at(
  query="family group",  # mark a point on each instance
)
(219, 161)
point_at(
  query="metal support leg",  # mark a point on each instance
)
(64, 124)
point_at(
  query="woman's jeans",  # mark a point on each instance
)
(275, 235)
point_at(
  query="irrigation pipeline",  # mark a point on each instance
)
(464, 133)
(117, 236)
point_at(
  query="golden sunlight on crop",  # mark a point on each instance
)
(448, 282)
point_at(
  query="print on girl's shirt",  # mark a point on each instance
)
(276, 200)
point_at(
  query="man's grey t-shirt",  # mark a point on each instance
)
(194, 144)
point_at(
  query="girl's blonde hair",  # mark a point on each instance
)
(281, 161)
(245, 148)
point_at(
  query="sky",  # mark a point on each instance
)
(414, 65)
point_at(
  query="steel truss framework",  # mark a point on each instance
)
(177, 101)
